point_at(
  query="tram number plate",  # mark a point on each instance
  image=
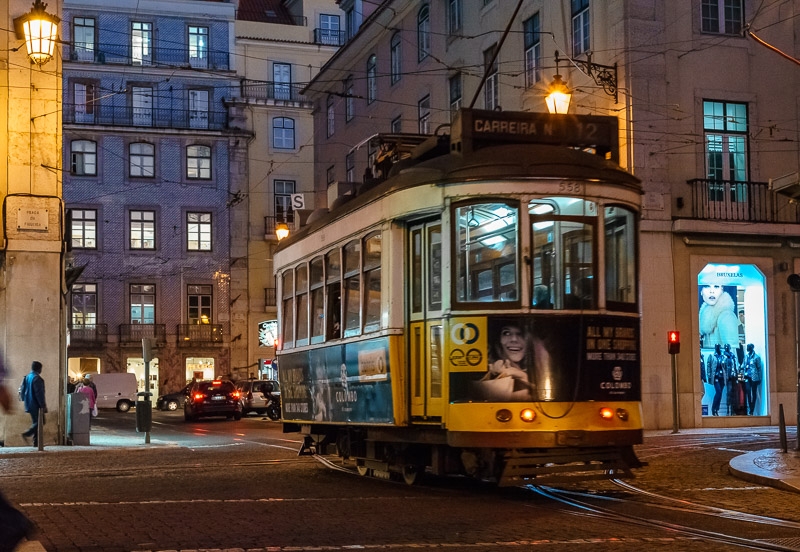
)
(575, 188)
(218, 398)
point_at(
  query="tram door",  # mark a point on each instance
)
(425, 321)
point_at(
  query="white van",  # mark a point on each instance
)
(115, 390)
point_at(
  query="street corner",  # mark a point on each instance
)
(770, 467)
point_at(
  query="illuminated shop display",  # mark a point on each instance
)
(733, 340)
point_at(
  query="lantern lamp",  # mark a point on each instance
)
(558, 98)
(39, 29)
(281, 230)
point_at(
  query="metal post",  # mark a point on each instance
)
(782, 428)
(147, 397)
(40, 430)
(797, 361)
(675, 415)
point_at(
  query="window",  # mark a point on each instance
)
(142, 160)
(141, 43)
(83, 232)
(331, 116)
(423, 33)
(283, 200)
(563, 234)
(397, 124)
(84, 305)
(143, 304)
(199, 302)
(83, 158)
(142, 103)
(350, 167)
(198, 162)
(349, 108)
(424, 115)
(287, 308)
(198, 47)
(486, 258)
(198, 108)
(143, 229)
(283, 133)
(330, 175)
(352, 288)
(490, 64)
(533, 50)
(333, 276)
(329, 29)
(372, 282)
(454, 84)
(580, 26)
(282, 80)
(198, 231)
(395, 60)
(352, 25)
(725, 125)
(301, 296)
(317, 292)
(83, 41)
(620, 233)
(722, 16)
(84, 96)
(372, 78)
(453, 16)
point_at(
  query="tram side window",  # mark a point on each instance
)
(486, 261)
(352, 288)
(287, 310)
(435, 268)
(416, 270)
(317, 292)
(372, 282)
(301, 281)
(333, 275)
(620, 256)
(563, 253)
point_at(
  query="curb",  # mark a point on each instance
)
(744, 467)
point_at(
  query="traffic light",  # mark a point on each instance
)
(674, 342)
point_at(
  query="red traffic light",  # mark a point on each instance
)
(674, 342)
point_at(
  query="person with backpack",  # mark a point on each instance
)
(31, 392)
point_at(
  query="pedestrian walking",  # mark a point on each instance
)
(32, 394)
(14, 526)
(86, 390)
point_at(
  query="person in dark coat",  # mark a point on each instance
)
(32, 394)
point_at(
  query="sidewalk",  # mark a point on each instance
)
(769, 467)
(101, 439)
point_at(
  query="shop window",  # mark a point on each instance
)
(486, 260)
(733, 340)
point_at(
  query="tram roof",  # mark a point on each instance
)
(503, 162)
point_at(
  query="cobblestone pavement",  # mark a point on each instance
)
(214, 493)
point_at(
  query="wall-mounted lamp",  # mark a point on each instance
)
(39, 29)
(602, 75)
(281, 230)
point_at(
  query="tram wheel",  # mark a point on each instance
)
(412, 474)
(363, 470)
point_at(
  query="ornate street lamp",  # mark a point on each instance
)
(281, 230)
(39, 29)
(558, 99)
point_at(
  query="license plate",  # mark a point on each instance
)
(218, 398)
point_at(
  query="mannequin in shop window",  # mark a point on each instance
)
(718, 321)
(735, 392)
(719, 369)
(752, 369)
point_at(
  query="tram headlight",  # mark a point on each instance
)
(606, 413)
(503, 415)
(527, 415)
(622, 414)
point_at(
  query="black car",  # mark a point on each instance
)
(212, 398)
(173, 401)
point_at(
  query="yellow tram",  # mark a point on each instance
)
(474, 310)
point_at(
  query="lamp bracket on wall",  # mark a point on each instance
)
(604, 76)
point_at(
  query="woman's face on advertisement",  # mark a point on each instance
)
(711, 294)
(512, 343)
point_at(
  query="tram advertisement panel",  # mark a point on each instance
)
(339, 383)
(544, 358)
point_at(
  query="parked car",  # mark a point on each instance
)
(212, 398)
(115, 390)
(173, 401)
(252, 399)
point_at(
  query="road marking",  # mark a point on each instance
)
(219, 501)
(733, 450)
(727, 489)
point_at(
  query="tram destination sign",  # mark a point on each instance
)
(476, 128)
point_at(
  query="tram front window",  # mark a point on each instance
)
(563, 234)
(486, 262)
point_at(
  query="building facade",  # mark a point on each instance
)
(700, 123)
(153, 163)
(280, 47)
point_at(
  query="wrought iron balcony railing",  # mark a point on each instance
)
(269, 297)
(190, 335)
(269, 90)
(164, 57)
(329, 37)
(270, 222)
(88, 335)
(132, 334)
(729, 200)
(144, 117)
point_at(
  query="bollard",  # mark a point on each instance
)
(782, 428)
(40, 430)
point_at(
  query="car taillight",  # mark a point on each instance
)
(236, 394)
(199, 396)
(216, 382)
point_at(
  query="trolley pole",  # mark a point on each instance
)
(674, 347)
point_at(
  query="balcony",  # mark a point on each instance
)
(132, 334)
(276, 91)
(269, 297)
(329, 37)
(165, 57)
(145, 117)
(88, 335)
(732, 201)
(193, 335)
